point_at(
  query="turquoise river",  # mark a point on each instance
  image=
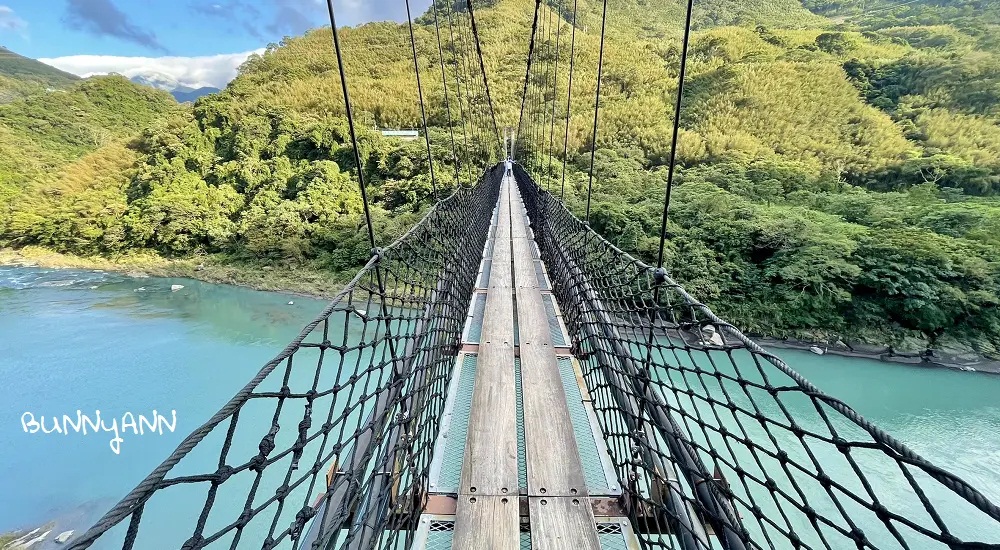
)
(79, 340)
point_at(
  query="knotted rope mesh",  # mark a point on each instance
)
(720, 444)
(330, 444)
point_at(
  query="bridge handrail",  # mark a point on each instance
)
(554, 223)
(445, 242)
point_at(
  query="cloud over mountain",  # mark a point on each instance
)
(194, 72)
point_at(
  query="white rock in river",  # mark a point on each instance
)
(291, 303)
(175, 288)
(64, 536)
(34, 541)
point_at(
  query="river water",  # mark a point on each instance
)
(77, 340)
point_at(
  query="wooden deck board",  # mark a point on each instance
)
(561, 523)
(491, 522)
(554, 467)
(490, 463)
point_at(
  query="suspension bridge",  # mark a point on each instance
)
(501, 376)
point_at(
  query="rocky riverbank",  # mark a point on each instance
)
(959, 359)
(302, 280)
(314, 282)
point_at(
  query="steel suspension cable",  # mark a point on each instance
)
(597, 108)
(458, 93)
(527, 74)
(482, 66)
(676, 131)
(444, 85)
(569, 99)
(480, 93)
(470, 91)
(543, 114)
(724, 520)
(350, 124)
(420, 94)
(555, 90)
(540, 84)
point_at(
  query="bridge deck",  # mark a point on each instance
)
(520, 462)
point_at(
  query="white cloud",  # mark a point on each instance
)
(9, 21)
(195, 72)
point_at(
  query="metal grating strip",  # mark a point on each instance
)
(484, 276)
(475, 328)
(454, 451)
(522, 461)
(488, 250)
(558, 338)
(543, 281)
(590, 453)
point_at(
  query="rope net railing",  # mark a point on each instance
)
(717, 442)
(330, 444)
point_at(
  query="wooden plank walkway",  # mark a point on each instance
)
(487, 509)
(558, 508)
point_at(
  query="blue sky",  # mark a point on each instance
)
(87, 36)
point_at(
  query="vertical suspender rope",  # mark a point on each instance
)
(469, 91)
(447, 102)
(569, 99)
(597, 108)
(527, 75)
(350, 124)
(478, 93)
(539, 111)
(477, 89)
(543, 89)
(725, 521)
(676, 130)
(555, 89)
(420, 94)
(486, 81)
(458, 94)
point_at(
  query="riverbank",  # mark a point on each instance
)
(320, 284)
(965, 361)
(298, 280)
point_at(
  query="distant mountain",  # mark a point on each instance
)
(182, 95)
(19, 67)
(168, 83)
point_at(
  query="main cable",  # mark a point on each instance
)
(527, 75)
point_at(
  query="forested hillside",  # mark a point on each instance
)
(21, 76)
(838, 172)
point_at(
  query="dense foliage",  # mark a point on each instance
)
(21, 76)
(838, 177)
